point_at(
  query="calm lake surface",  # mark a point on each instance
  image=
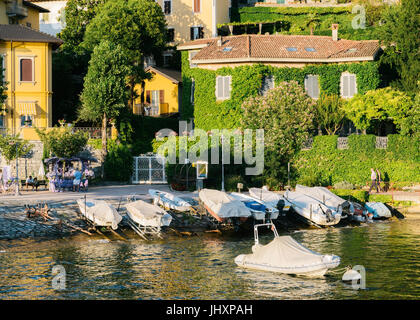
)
(203, 268)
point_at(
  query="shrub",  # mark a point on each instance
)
(385, 198)
(352, 195)
(344, 185)
(118, 162)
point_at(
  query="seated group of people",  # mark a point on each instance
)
(32, 182)
(72, 179)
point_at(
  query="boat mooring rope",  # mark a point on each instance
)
(345, 269)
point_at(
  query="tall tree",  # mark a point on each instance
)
(139, 26)
(13, 146)
(400, 33)
(105, 87)
(329, 113)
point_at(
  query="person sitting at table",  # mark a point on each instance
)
(29, 182)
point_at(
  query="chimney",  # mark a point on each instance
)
(220, 41)
(334, 28)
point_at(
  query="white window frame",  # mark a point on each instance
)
(3, 66)
(343, 75)
(263, 93)
(190, 57)
(306, 85)
(33, 68)
(223, 96)
(167, 14)
(192, 100)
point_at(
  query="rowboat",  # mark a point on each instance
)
(99, 213)
(169, 201)
(285, 255)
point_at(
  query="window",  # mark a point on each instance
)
(171, 34)
(1, 121)
(312, 86)
(3, 66)
(155, 98)
(196, 6)
(167, 6)
(197, 33)
(291, 49)
(26, 121)
(191, 56)
(192, 91)
(29, 25)
(348, 85)
(223, 87)
(310, 49)
(267, 84)
(26, 69)
(167, 57)
(149, 61)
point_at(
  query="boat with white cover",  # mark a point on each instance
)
(311, 210)
(259, 209)
(146, 218)
(223, 206)
(99, 213)
(270, 198)
(169, 200)
(285, 255)
(325, 196)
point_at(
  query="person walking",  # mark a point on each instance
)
(378, 180)
(373, 179)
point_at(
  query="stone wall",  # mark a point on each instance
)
(29, 166)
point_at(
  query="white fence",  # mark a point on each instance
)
(148, 169)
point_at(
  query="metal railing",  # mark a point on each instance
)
(94, 132)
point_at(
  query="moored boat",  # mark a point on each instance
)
(148, 215)
(99, 213)
(378, 210)
(259, 209)
(270, 198)
(169, 200)
(311, 210)
(222, 206)
(285, 255)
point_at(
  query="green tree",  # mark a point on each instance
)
(312, 22)
(381, 104)
(78, 15)
(8, 145)
(105, 88)
(286, 114)
(400, 33)
(329, 113)
(62, 142)
(139, 26)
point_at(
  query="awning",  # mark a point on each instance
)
(27, 108)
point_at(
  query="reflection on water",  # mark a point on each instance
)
(203, 267)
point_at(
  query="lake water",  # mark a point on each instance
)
(202, 267)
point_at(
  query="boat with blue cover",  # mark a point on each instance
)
(259, 209)
(169, 201)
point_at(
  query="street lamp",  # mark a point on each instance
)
(17, 193)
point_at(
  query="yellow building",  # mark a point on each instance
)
(27, 63)
(194, 19)
(20, 12)
(162, 93)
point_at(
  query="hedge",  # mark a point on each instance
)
(399, 164)
(247, 80)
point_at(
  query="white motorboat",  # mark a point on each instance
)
(311, 210)
(148, 215)
(378, 210)
(325, 196)
(169, 201)
(222, 206)
(270, 198)
(99, 213)
(259, 209)
(286, 255)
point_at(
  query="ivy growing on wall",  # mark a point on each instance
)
(246, 81)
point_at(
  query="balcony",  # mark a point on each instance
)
(13, 9)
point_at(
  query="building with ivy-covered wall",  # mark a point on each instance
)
(220, 73)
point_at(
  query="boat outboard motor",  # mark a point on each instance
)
(280, 205)
(329, 215)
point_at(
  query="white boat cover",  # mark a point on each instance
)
(378, 209)
(266, 196)
(222, 204)
(169, 200)
(323, 195)
(259, 210)
(286, 255)
(100, 213)
(148, 215)
(312, 209)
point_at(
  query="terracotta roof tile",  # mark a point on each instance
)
(294, 47)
